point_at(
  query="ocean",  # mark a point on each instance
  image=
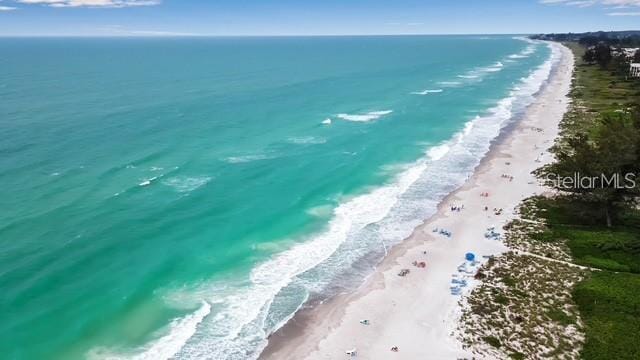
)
(183, 197)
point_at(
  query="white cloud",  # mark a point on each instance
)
(93, 3)
(7, 8)
(585, 3)
(582, 3)
(622, 3)
(631, 13)
(119, 30)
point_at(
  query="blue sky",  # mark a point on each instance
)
(311, 17)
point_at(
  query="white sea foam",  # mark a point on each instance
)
(528, 50)
(372, 115)
(148, 181)
(437, 152)
(494, 68)
(480, 72)
(426, 92)
(320, 211)
(306, 140)
(326, 121)
(450, 83)
(180, 330)
(247, 311)
(524, 53)
(247, 158)
(186, 183)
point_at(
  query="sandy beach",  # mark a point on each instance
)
(417, 313)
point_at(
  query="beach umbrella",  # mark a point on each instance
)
(470, 256)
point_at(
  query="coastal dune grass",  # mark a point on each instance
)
(577, 225)
(609, 299)
(600, 89)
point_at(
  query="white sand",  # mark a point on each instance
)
(417, 313)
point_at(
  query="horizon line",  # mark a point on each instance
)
(195, 35)
(250, 35)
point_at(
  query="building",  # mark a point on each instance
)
(630, 52)
(634, 70)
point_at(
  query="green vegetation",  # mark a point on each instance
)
(600, 228)
(598, 91)
(608, 300)
(613, 38)
(610, 306)
(493, 341)
(577, 225)
(600, 135)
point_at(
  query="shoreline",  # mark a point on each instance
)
(417, 313)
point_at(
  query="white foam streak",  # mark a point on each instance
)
(524, 53)
(180, 330)
(426, 92)
(247, 158)
(184, 184)
(494, 68)
(306, 140)
(437, 152)
(372, 115)
(449, 83)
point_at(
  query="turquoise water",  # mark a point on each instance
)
(183, 197)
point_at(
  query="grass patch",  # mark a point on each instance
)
(608, 300)
(617, 249)
(609, 304)
(578, 226)
(599, 89)
(560, 316)
(493, 341)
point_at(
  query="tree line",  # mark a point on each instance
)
(605, 147)
(600, 164)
